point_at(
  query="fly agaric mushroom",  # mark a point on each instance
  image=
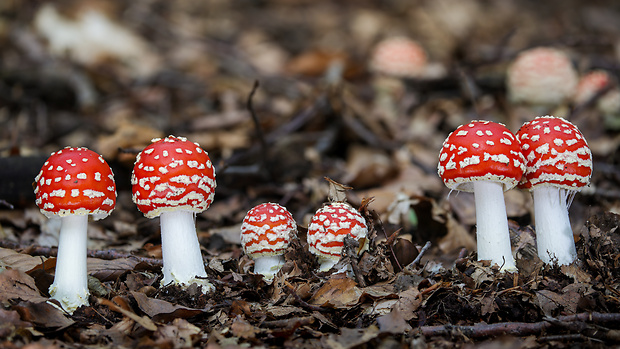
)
(326, 232)
(596, 82)
(541, 76)
(265, 234)
(398, 57)
(173, 178)
(485, 158)
(74, 183)
(558, 164)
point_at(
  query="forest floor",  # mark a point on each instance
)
(280, 95)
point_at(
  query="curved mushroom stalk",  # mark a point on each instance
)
(554, 236)
(493, 238)
(70, 286)
(183, 263)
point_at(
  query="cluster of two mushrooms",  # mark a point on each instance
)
(172, 178)
(267, 230)
(548, 155)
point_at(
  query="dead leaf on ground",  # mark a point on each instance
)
(15, 284)
(337, 293)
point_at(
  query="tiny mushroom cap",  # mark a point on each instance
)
(398, 57)
(75, 181)
(328, 228)
(172, 174)
(485, 158)
(73, 184)
(480, 150)
(174, 179)
(265, 234)
(559, 163)
(595, 82)
(541, 76)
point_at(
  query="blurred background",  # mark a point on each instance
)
(111, 76)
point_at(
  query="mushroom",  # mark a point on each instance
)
(608, 104)
(265, 234)
(399, 57)
(485, 158)
(558, 164)
(392, 60)
(326, 232)
(173, 178)
(541, 76)
(72, 184)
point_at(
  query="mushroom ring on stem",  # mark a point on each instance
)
(74, 183)
(558, 164)
(326, 232)
(265, 234)
(174, 179)
(485, 158)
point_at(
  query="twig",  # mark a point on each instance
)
(291, 290)
(48, 251)
(288, 323)
(521, 328)
(259, 129)
(417, 259)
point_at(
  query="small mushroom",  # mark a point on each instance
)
(541, 76)
(174, 179)
(326, 232)
(265, 234)
(399, 57)
(485, 158)
(73, 184)
(558, 164)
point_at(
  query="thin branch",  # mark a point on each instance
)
(48, 251)
(523, 328)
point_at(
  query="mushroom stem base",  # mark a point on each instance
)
(493, 238)
(70, 286)
(183, 263)
(554, 236)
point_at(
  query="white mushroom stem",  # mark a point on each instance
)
(554, 235)
(493, 238)
(183, 264)
(70, 286)
(268, 266)
(326, 263)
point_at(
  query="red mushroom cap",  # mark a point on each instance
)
(480, 150)
(171, 174)
(330, 224)
(267, 230)
(75, 181)
(399, 57)
(556, 153)
(541, 76)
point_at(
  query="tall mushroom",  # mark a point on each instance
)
(326, 232)
(265, 234)
(485, 158)
(174, 179)
(558, 164)
(73, 184)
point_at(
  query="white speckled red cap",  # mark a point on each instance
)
(480, 150)
(75, 181)
(267, 230)
(399, 57)
(556, 153)
(172, 174)
(330, 224)
(543, 76)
